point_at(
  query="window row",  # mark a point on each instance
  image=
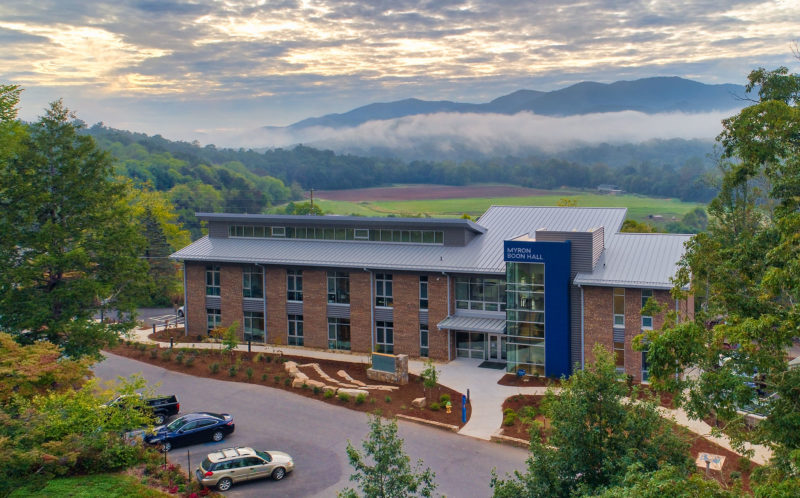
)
(478, 293)
(338, 331)
(619, 308)
(333, 233)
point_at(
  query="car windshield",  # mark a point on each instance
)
(263, 454)
(177, 424)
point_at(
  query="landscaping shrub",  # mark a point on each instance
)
(403, 407)
(214, 367)
(264, 377)
(277, 378)
(287, 382)
(361, 398)
(258, 357)
(343, 397)
(372, 401)
(317, 389)
(268, 359)
(388, 399)
(328, 394)
(304, 386)
(249, 373)
(190, 360)
(233, 370)
(166, 355)
(444, 398)
(199, 338)
(179, 357)
(510, 416)
(154, 353)
(435, 406)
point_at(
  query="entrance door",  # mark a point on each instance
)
(497, 348)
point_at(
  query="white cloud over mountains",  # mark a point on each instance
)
(498, 134)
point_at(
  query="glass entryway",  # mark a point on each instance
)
(480, 345)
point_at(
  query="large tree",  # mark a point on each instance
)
(595, 438)
(70, 242)
(746, 269)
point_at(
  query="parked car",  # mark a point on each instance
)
(225, 467)
(162, 407)
(192, 428)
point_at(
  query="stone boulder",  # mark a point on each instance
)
(419, 402)
(297, 383)
(299, 375)
(290, 366)
(329, 388)
(315, 383)
(353, 392)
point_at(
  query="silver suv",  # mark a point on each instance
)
(225, 467)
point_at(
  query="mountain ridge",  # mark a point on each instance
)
(647, 95)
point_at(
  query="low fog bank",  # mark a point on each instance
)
(459, 136)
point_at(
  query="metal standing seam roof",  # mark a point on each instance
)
(473, 324)
(483, 254)
(647, 260)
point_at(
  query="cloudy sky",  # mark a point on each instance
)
(209, 69)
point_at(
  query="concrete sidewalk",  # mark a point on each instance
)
(486, 395)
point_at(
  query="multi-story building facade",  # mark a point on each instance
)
(530, 287)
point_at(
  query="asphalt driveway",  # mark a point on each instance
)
(315, 434)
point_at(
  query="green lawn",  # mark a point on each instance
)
(639, 207)
(93, 486)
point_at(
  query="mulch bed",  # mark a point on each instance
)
(699, 444)
(269, 371)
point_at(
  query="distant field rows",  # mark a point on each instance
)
(639, 207)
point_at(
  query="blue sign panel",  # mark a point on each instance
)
(557, 260)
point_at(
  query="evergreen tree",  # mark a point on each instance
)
(70, 243)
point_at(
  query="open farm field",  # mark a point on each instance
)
(453, 201)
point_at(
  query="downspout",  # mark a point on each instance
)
(185, 306)
(583, 348)
(371, 311)
(449, 332)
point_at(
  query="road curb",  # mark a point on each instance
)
(497, 437)
(438, 425)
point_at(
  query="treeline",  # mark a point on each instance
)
(238, 180)
(192, 179)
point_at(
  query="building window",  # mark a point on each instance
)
(339, 333)
(619, 307)
(254, 326)
(645, 367)
(338, 233)
(477, 293)
(294, 285)
(423, 292)
(253, 282)
(383, 289)
(295, 330)
(423, 340)
(212, 281)
(384, 332)
(213, 319)
(525, 345)
(338, 287)
(619, 356)
(647, 320)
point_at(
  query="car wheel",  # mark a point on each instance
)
(279, 473)
(159, 418)
(166, 446)
(224, 484)
(217, 436)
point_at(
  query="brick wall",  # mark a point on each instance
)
(438, 311)
(276, 321)
(406, 314)
(633, 327)
(196, 318)
(315, 308)
(598, 320)
(360, 312)
(230, 279)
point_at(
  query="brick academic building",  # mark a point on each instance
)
(531, 288)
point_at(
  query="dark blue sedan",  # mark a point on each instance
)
(192, 428)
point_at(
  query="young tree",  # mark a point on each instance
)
(70, 243)
(430, 376)
(595, 436)
(390, 474)
(746, 268)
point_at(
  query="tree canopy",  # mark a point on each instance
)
(746, 270)
(70, 244)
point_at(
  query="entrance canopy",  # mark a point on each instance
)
(472, 324)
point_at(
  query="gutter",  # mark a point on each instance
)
(449, 332)
(185, 304)
(583, 348)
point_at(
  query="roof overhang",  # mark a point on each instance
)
(473, 324)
